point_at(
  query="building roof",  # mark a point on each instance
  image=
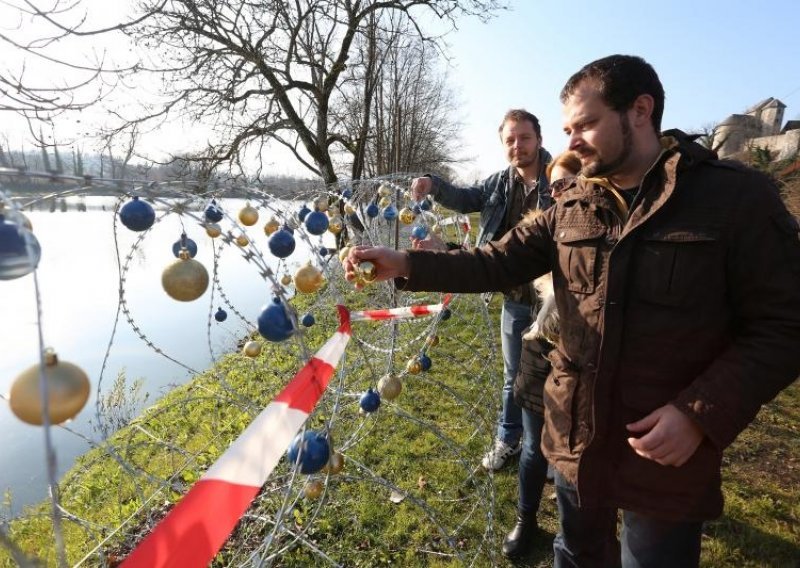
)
(766, 103)
(791, 125)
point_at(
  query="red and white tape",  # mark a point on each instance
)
(406, 312)
(197, 527)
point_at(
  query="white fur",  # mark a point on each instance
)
(546, 324)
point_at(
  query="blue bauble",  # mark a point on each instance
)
(14, 259)
(446, 313)
(425, 204)
(288, 228)
(347, 193)
(416, 209)
(316, 222)
(425, 361)
(281, 243)
(419, 232)
(370, 401)
(373, 210)
(311, 450)
(323, 251)
(274, 323)
(213, 213)
(137, 215)
(390, 212)
(308, 320)
(304, 211)
(191, 246)
(221, 315)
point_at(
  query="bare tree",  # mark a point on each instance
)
(710, 137)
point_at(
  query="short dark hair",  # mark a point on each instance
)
(621, 79)
(520, 114)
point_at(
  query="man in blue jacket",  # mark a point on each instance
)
(502, 199)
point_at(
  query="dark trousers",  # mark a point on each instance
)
(588, 537)
(532, 464)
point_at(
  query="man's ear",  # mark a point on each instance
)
(642, 110)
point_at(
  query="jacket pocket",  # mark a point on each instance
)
(577, 256)
(559, 402)
(672, 265)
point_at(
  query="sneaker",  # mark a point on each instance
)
(497, 457)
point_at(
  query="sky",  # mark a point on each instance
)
(714, 57)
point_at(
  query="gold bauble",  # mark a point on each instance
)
(343, 252)
(335, 464)
(271, 226)
(286, 280)
(248, 215)
(308, 279)
(313, 489)
(406, 216)
(367, 271)
(413, 366)
(389, 387)
(213, 230)
(242, 241)
(384, 202)
(252, 349)
(436, 229)
(349, 209)
(335, 225)
(321, 203)
(432, 340)
(384, 190)
(185, 279)
(67, 391)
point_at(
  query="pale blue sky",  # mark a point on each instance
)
(715, 58)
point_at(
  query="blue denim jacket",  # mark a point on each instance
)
(489, 197)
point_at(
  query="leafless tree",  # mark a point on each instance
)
(711, 138)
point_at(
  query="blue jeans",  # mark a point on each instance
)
(514, 319)
(532, 464)
(588, 537)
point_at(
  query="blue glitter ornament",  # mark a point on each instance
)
(425, 361)
(274, 323)
(372, 210)
(281, 243)
(390, 212)
(370, 401)
(308, 320)
(419, 232)
(213, 213)
(137, 215)
(304, 211)
(221, 315)
(14, 259)
(190, 245)
(311, 450)
(316, 222)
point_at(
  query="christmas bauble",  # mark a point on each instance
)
(432, 340)
(370, 401)
(389, 387)
(419, 232)
(308, 279)
(406, 216)
(373, 210)
(184, 241)
(323, 252)
(286, 280)
(321, 203)
(367, 271)
(343, 252)
(213, 230)
(14, 259)
(242, 240)
(384, 202)
(221, 315)
(425, 362)
(313, 489)
(252, 349)
(213, 213)
(185, 279)
(446, 313)
(347, 193)
(349, 209)
(248, 215)
(281, 243)
(384, 190)
(137, 215)
(416, 209)
(310, 450)
(413, 366)
(425, 204)
(335, 225)
(436, 229)
(308, 320)
(271, 226)
(67, 391)
(304, 211)
(316, 222)
(390, 213)
(335, 464)
(274, 323)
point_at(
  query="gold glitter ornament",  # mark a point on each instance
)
(384, 190)
(242, 241)
(248, 215)
(432, 340)
(413, 366)
(321, 203)
(384, 202)
(335, 464)
(406, 216)
(313, 489)
(308, 279)
(213, 230)
(389, 387)
(349, 209)
(252, 349)
(286, 280)
(335, 225)
(343, 252)
(271, 226)
(367, 271)
(67, 391)
(185, 279)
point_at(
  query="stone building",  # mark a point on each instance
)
(761, 126)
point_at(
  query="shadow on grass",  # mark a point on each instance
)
(751, 544)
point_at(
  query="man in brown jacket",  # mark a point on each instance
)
(677, 277)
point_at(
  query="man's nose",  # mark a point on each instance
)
(575, 140)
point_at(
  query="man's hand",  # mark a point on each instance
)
(389, 263)
(431, 242)
(672, 439)
(420, 187)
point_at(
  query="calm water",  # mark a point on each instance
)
(79, 284)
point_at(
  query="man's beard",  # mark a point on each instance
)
(604, 169)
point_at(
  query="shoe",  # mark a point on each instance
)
(499, 455)
(520, 542)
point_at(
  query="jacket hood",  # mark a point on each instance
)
(691, 152)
